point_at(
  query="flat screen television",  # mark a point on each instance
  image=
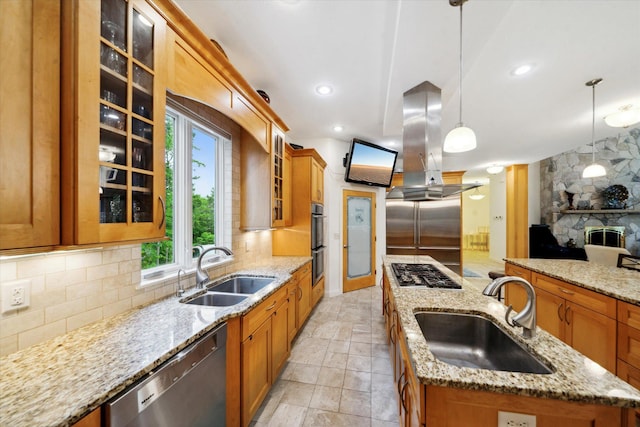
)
(369, 164)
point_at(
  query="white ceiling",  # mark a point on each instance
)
(371, 51)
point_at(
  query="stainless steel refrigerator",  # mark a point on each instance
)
(425, 228)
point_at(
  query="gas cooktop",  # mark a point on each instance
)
(426, 275)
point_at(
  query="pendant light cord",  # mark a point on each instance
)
(460, 68)
(593, 124)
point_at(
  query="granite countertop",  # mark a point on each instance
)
(619, 283)
(57, 382)
(575, 378)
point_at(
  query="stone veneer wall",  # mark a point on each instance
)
(620, 155)
(70, 289)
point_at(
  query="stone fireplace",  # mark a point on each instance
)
(562, 174)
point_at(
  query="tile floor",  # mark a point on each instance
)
(339, 372)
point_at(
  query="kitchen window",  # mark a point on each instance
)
(196, 180)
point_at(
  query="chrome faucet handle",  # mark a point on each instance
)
(180, 290)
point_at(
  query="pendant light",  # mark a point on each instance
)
(624, 117)
(460, 138)
(476, 195)
(594, 170)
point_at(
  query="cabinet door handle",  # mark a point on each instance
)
(398, 384)
(566, 315)
(300, 297)
(271, 306)
(402, 393)
(164, 212)
(564, 291)
(392, 332)
(560, 312)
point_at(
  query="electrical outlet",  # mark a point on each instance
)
(15, 295)
(513, 419)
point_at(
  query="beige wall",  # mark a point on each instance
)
(72, 289)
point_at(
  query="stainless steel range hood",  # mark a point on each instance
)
(422, 148)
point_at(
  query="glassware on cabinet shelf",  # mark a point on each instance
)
(113, 60)
(142, 78)
(112, 143)
(142, 129)
(142, 39)
(112, 117)
(114, 33)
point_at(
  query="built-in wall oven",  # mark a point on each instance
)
(317, 242)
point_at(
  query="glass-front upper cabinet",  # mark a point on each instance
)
(278, 178)
(120, 108)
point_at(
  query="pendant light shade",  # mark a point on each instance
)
(460, 138)
(594, 170)
(476, 195)
(624, 117)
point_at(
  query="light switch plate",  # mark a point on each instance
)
(16, 294)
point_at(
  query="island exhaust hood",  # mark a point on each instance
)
(422, 148)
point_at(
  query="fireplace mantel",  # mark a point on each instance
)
(600, 211)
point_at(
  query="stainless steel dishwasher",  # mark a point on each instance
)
(189, 390)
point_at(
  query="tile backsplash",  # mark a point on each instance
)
(75, 288)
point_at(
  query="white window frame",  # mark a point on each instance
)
(185, 122)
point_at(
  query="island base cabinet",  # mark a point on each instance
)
(450, 407)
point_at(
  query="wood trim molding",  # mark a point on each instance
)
(179, 22)
(518, 211)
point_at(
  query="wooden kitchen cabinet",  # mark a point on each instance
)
(251, 120)
(629, 347)
(317, 181)
(448, 406)
(256, 370)
(91, 420)
(288, 184)
(292, 313)
(583, 319)
(30, 123)
(307, 186)
(281, 193)
(113, 174)
(305, 302)
(265, 349)
(318, 291)
(514, 294)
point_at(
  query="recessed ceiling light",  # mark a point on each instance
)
(338, 128)
(324, 90)
(522, 69)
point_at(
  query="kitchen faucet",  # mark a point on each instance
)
(201, 276)
(527, 317)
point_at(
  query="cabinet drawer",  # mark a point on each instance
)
(592, 300)
(302, 271)
(514, 270)
(629, 314)
(629, 344)
(318, 291)
(253, 319)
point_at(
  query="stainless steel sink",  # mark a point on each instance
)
(242, 285)
(217, 300)
(472, 341)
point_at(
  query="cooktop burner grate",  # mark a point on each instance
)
(422, 275)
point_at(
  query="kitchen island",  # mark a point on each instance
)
(58, 382)
(436, 392)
